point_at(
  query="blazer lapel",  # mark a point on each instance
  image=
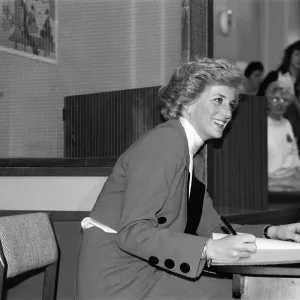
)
(195, 201)
(179, 128)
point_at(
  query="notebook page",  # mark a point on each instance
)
(267, 244)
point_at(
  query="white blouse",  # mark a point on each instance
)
(194, 143)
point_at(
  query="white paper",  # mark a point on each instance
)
(266, 244)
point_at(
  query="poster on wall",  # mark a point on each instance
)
(29, 28)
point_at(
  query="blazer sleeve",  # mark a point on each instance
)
(157, 165)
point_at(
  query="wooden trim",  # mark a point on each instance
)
(283, 270)
(185, 31)
(201, 30)
(280, 216)
(275, 217)
(57, 162)
(210, 28)
(55, 171)
(54, 215)
(55, 167)
(200, 41)
(197, 29)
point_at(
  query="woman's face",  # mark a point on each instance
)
(295, 59)
(277, 105)
(212, 111)
(255, 79)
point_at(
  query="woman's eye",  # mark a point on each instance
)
(219, 100)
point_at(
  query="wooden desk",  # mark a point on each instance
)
(269, 282)
(270, 288)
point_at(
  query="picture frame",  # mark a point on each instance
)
(29, 28)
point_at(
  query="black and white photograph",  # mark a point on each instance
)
(149, 149)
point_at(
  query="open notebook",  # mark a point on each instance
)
(268, 252)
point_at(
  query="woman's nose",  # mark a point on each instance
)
(227, 112)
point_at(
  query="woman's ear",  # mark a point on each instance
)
(186, 112)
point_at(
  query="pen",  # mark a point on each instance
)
(228, 225)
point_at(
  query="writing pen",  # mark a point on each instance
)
(228, 225)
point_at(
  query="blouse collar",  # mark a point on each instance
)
(194, 140)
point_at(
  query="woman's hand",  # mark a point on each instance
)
(231, 247)
(285, 232)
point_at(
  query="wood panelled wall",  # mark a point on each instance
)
(104, 125)
(199, 42)
(237, 164)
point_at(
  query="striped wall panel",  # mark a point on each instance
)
(237, 165)
(104, 125)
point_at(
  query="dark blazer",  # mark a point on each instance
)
(145, 200)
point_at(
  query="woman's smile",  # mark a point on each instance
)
(221, 124)
(212, 111)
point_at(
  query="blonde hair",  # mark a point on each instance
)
(190, 80)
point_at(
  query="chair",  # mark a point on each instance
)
(28, 243)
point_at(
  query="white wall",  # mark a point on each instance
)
(49, 193)
(243, 42)
(262, 30)
(293, 21)
(280, 26)
(103, 45)
(273, 28)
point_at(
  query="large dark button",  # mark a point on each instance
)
(185, 268)
(153, 260)
(169, 263)
(162, 220)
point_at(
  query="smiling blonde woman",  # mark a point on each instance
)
(148, 235)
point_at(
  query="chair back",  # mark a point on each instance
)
(28, 243)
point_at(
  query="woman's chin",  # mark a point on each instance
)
(217, 135)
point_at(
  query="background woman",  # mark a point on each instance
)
(289, 73)
(157, 214)
(283, 155)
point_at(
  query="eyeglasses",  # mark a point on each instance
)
(278, 100)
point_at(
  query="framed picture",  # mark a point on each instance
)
(29, 28)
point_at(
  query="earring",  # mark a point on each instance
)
(188, 110)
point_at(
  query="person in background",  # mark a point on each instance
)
(289, 73)
(283, 155)
(149, 234)
(254, 75)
